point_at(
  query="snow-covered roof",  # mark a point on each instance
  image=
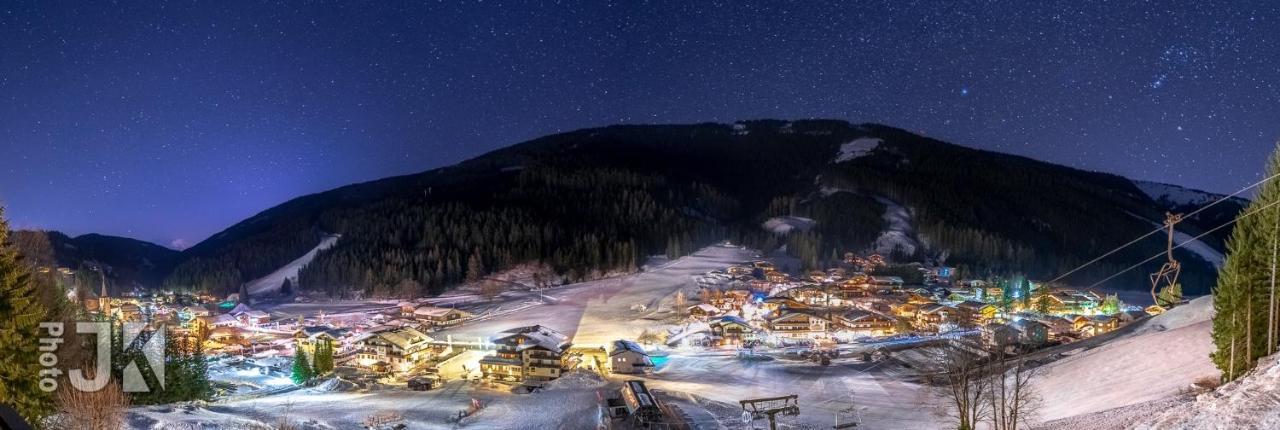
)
(730, 319)
(536, 336)
(705, 308)
(401, 337)
(860, 314)
(972, 305)
(623, 345)
(1027, 324)
(240, 309)
(313, 331)
(433, 311)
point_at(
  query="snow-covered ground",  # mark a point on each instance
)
(898, 232)
(1251, 402)
(1175, 195)
(857, 148)
(786, 224)
(1157, 359)
(597, 312)
(848, 389)
(271, 283)
(1148, 362)
(569, 408)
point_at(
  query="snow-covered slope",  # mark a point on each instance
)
(786, 224)
(1196, 246)
(1173, 195)
(1158, 359)
(898, 232)
(271, 283)
(1251, 402)
(857, 148)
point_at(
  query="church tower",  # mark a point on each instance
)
(104, 301)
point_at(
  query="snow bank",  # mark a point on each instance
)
(1251, 402)
(784, 225)
(1157, 360)
(857, 148)
(576, 380)
(271, 283)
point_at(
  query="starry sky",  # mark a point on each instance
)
(169, 121)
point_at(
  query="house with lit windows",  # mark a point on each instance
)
(527, 354)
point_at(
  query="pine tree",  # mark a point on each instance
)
(244, 293)
(286, 288)
(1110, 304)
(323, 358)
(19, 329)
(1243, 312)
(301, 368)
(1169, 295)
(1024, 292)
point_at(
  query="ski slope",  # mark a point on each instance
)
(271, 283)
(1157, 359)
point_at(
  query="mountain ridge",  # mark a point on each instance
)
(706, 181)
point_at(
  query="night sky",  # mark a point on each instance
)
(171, 121)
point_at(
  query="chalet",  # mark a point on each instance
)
(980, 312)
(194, 311)
(307, 338)
(397, 349)
(808, 294)
(730, 330)
(992, 290)
(628, 357)
(997, 336)
(440, 317)
(776, 277)
(763, 265)
(226, 335)
(866, 323)
(1057, 326)
(1088, 326)
(1030, 332)
(1072, 301)
(734, 299)
(211, 322)
(932, 315)
(703, 311)
(738, 270)
(253, 318)
(798, 325)
(130, 312)
(775, 303)
(526, 354)
(818, 276)
(760, 286)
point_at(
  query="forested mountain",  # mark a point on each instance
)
(602, 199)
(126, 262)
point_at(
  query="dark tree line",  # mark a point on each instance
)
(581, 222)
